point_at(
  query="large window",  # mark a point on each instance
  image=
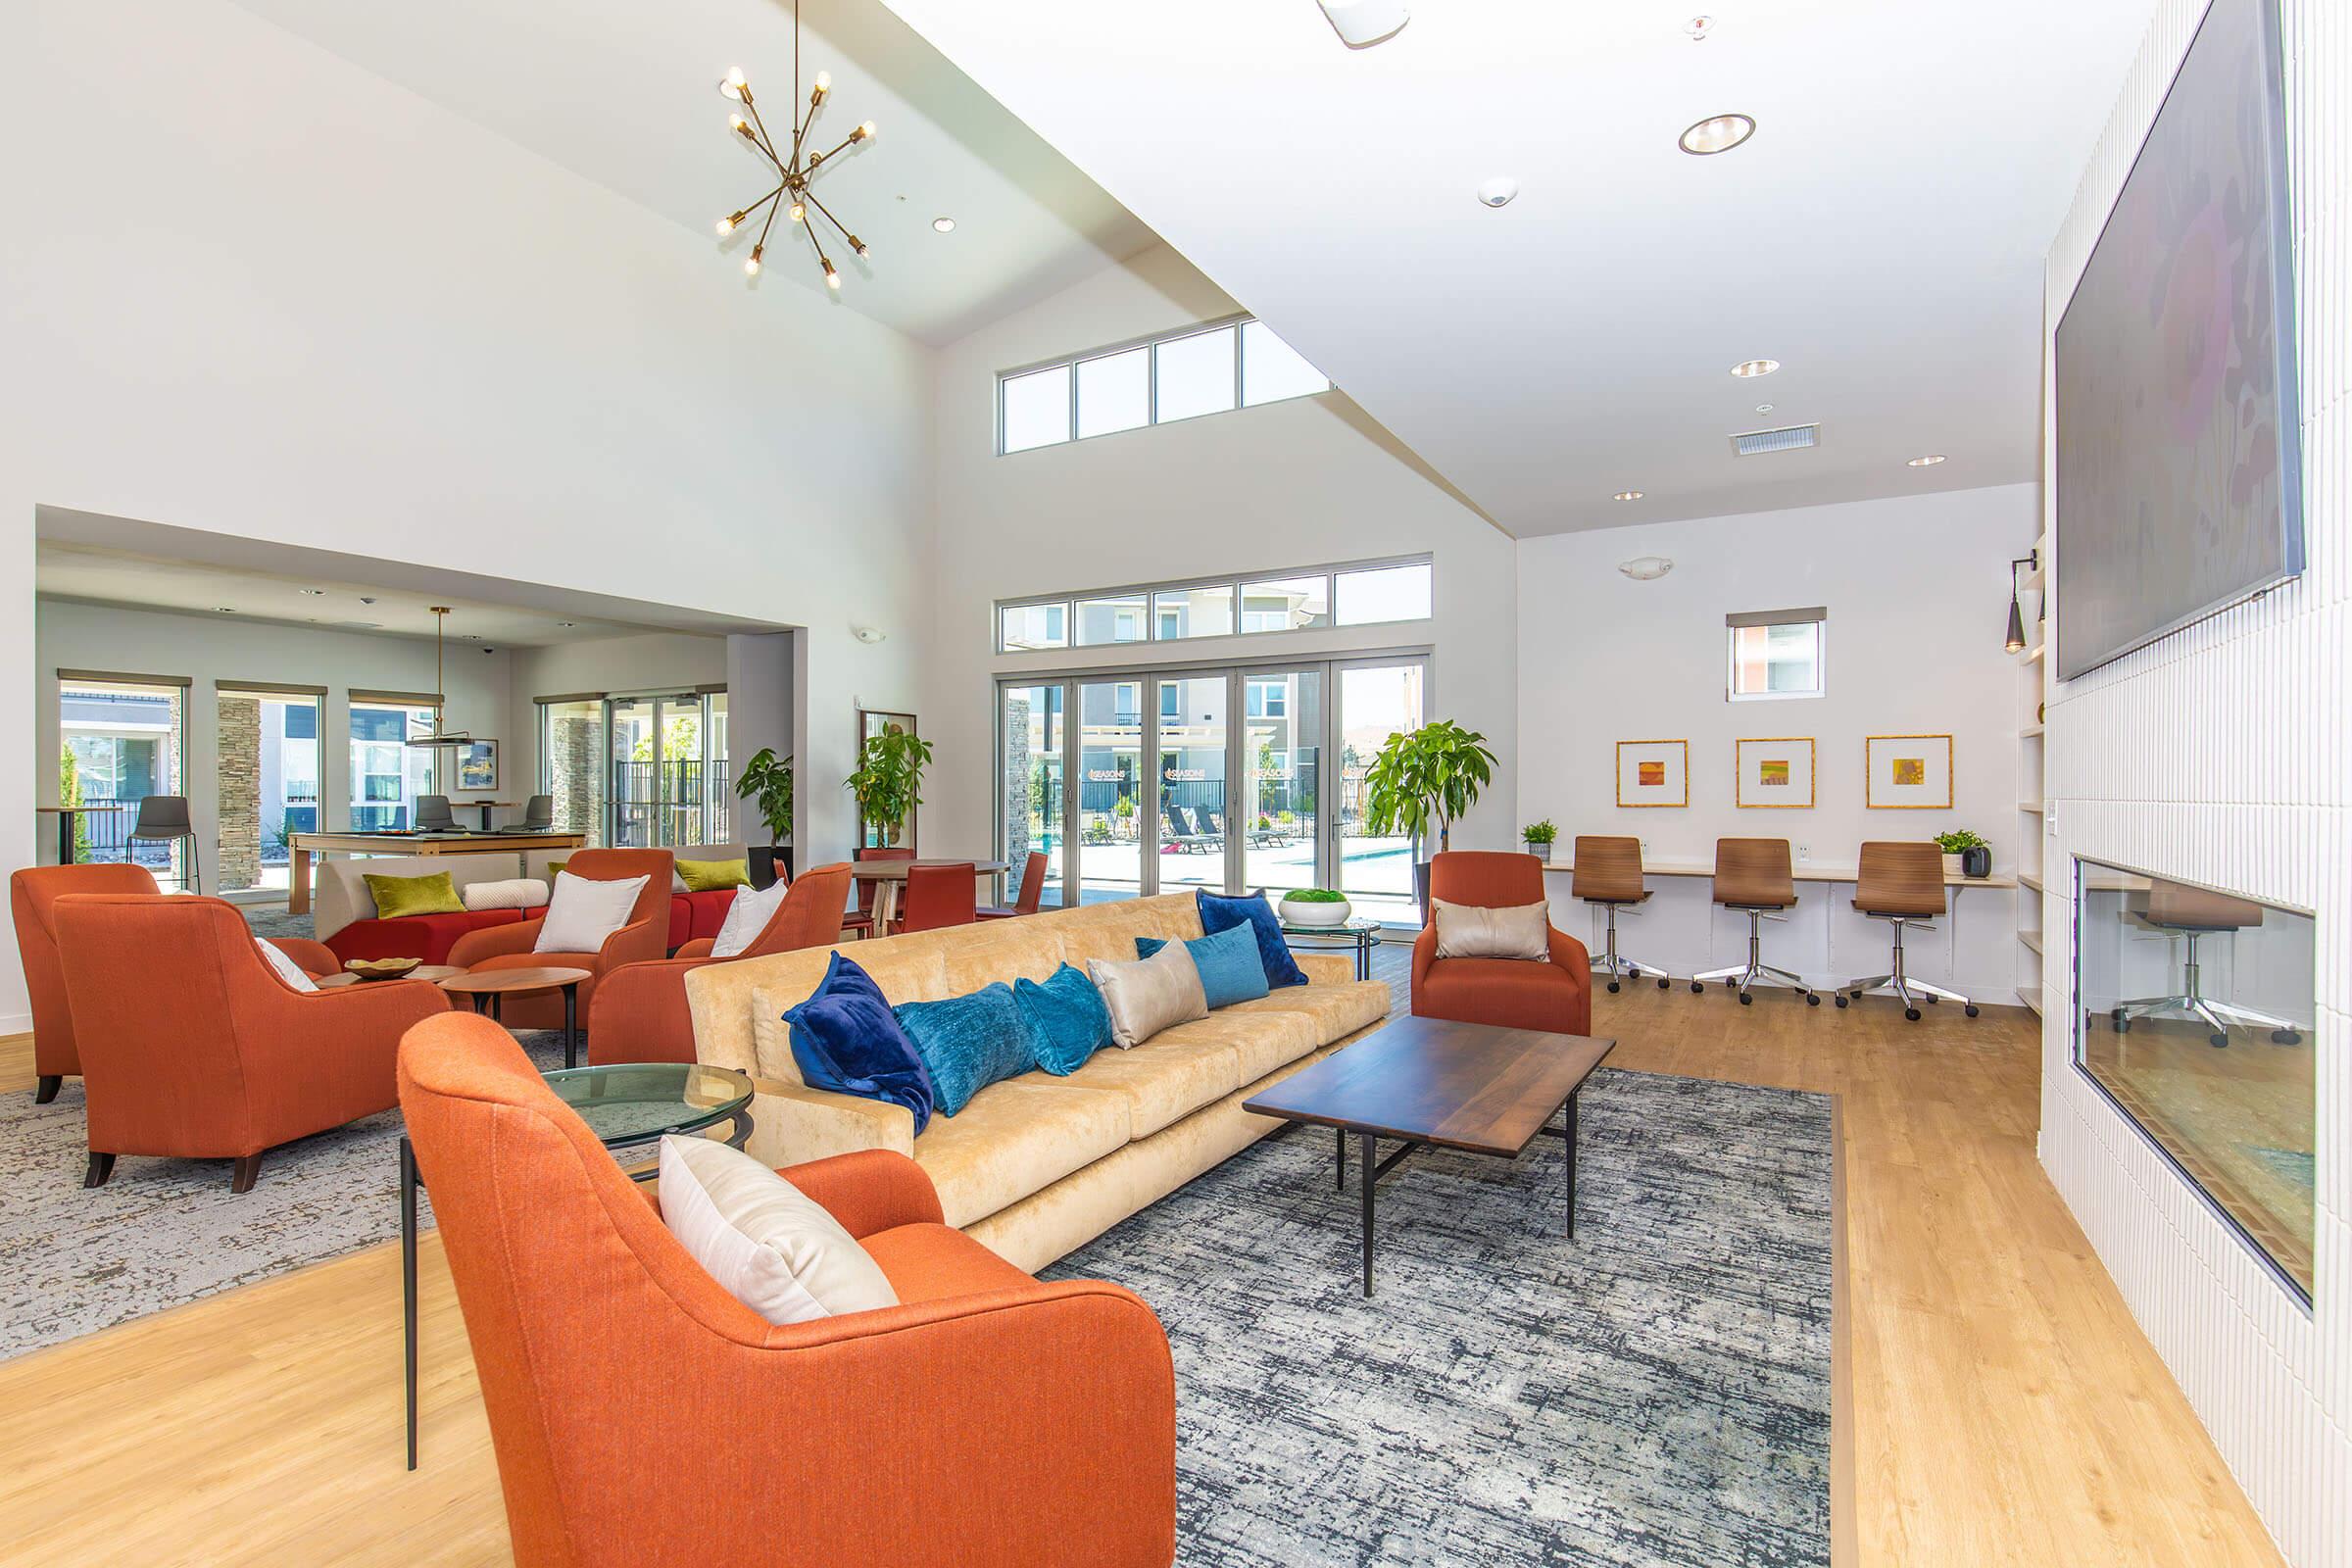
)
(639, 770)
(1367, 594)
(1182, 376)
(121, 739)
(571, 758)
(387, 774)
(1777, 654)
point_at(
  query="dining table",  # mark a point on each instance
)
(887, 877)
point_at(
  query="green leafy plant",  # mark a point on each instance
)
(1421, 781)
(1540, 832)
(1123, 807)
(887, 784)
(68, 793)
(1313, 896)
(1958, 840)
(767, 781)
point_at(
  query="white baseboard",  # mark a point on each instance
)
(16, 1024)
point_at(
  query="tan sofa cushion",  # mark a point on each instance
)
(1317, 1013)
(1166, 1078)
(1016, 1137)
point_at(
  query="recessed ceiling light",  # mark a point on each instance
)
(1497, 190)
(1749, 369)
(315, 593)
(1718, 133)
(226, 609)
(1763, 407)
(564, 623)
(1928, 462)
(1626, 495)
(1699, 27)
(943, 225)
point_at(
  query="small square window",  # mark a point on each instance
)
(1114, 392)
(1023, 627)
(1384, 593)
(1194, 611)
(1777, 659)
(1194, 375)
(1272, 369)
(1037, 408)
(1113, 618)
(1287, 604)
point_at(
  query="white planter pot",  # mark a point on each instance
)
(1951, 866)
(1333, 914)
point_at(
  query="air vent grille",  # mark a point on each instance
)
(1787, 439)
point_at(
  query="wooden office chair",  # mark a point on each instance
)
(1752, 876)
(1901, 882)
(1608, 874)
(2178, 909)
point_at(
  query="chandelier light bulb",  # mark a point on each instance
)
(866, 132)
(832, 278)
(726, 226)
(798, 212)
(857, 245)
(750, 263)
(737, 123)
(825, 82)
(733, 85)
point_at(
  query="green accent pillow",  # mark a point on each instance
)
(708, 876)
(554, 867)
(399, 897)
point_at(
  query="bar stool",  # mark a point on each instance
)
(539, 813)
(1752, 875)
(1901, 882)
(1608, 872)
(2178, 909)
(164, 819)
(434, 814)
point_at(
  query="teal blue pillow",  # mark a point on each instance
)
(1067, 1018)
(968, 1043)
(1230, 968)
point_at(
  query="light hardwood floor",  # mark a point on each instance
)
(2004, 1408)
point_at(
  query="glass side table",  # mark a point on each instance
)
(627, 1105)
(1360, 932)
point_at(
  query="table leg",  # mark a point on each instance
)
(1571, 1146)
(571, 1024)
(1363, 956)
(1370, 1176)
(481, 1002)
(742, 1132)
(486, 819)
(1340, 1180)
(298, 882)
(407, 1277)
(886, 906)
(64, 837)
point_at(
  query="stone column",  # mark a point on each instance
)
(240, 853)
(1016, 804)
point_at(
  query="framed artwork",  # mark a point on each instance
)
(1774, 772)
(477, 766)
(872, 722)
(1907, 772)
(1653, 773)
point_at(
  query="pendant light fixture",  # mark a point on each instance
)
(439, 737)
(2032, 562)
(795, 167)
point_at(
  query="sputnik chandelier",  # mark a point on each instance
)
(795, 167)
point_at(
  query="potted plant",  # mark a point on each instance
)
(1315, 906)
(1964, 853)
(1420, 783)
(887, 784)
(766, 782)
(1539, 838)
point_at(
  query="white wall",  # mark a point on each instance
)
(1294, 484)
(216, 650)
(2222, 754)
(761, 700)
(1914, 589)
(253, 289)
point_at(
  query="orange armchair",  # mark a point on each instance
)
(641, 1012)
(192, 1048)
(32, 894)
(646, 937)
(1044, 1414)
(1513, 993)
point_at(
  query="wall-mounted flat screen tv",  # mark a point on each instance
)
(2178, 485)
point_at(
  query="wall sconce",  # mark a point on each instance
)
(2032, 562)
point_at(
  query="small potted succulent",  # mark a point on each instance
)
(1964, 853)
(1540, 837)
(1315, 906)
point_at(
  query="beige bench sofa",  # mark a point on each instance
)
(1036, 1166)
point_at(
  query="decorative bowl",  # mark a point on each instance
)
(1295, 911)
(381, 969)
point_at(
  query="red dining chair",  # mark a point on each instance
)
(1032, 893)
(937, 896)
(862, 922)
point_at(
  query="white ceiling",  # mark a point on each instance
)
(1881, 235)
(625, 95)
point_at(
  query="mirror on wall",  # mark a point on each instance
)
(2194, 1012)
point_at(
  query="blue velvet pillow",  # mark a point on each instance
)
(1067, 1018)
(1229, 965)
(1219, 913)
(845, 1038)
(968, 1042)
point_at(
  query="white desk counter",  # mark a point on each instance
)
(1802, 873)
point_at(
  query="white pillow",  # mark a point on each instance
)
(287, 969)
(517, 893)
(1467, 931)
(774, 1249)
(582, 913)
(1148, 994)
(748, 915)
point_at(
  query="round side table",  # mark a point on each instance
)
(487, 986)
(1358, 931)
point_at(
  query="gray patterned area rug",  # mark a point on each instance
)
(166, 1230)
(1656, 1392)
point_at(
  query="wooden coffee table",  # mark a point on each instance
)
(1436, 1083)
(487, 986)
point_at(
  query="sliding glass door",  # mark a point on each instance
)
(1282, 742)
(1195, 815)
(669, 770)
(1377, 699)
(1110, 789)
(1032, 739)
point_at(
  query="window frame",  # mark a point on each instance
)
(1230, 583)
(1152, 342)
(1818, 619)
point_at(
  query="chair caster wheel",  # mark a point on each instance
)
(2217, 1042)
(1745, 1000)
(1971, 1009)
(1931, 1000)
(1911, 1013)
(1697, 988)
(1842, 998)
(1663, 982)
(2123, 1026)
(1812, 999)
(1612, 988)
(2285, 1037)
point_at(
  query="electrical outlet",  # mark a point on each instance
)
(1645, 847)
(1804, 853)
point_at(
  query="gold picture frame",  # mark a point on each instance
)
(1907, 772)
(1671, 758)
(1767, 770)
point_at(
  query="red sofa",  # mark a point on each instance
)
(427, 936)
(1514, 993)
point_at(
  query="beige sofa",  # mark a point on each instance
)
(1037, 1166)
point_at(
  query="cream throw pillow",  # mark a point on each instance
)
(287, 969)
(1150, 995)
(581, 913)
(748, 915)
(774, 1249)
(1467, 931)
(514, 893)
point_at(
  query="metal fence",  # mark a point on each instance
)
(679, 801)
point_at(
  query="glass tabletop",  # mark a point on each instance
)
(1354, 925)
(634, 1103)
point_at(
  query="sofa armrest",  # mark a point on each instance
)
(1570, 955)
(495, 941)
(694, 947)
(1326, 969)
(313, 959)
(645, 942)
(793, 1125)
(872, 1190)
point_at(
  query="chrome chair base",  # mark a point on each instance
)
(2192, 1003)
(1744, 977)
(1613, 970)
(1902, 984)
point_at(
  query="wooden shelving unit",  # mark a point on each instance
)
(2032, 686)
